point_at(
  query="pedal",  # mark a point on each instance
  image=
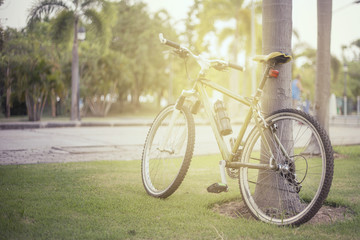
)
(217, 188)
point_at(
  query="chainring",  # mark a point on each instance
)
(233, 172)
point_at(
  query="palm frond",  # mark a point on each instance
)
(92, 3)
(62, 26)
(356, 43)
(45, 7)
(96, 20)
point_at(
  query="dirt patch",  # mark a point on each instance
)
(326, 214)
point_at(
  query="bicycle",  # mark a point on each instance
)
(284, 165)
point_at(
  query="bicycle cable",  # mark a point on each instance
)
(186, 69)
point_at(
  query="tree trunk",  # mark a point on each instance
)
(8, 92)
(75, 77)
(53, 103)
(277, 32)
(42, 103)
(98, 108)
(8, 106)
(135, 99)
(135, 95)
(29, 106)
(35, 103)
(323, 63)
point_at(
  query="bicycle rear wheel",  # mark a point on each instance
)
(168, 151)
(292, 193)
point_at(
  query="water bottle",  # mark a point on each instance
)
(222, 118)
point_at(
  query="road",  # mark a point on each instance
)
(46, 145)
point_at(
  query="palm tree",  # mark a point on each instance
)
(14, 45)
(277, 34)
(323, 63)
(70, 14)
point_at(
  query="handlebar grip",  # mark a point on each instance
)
(235, 66)
(172, 44)
(168, 42)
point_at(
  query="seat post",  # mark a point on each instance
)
(268, 66)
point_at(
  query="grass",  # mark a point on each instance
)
(106, 200)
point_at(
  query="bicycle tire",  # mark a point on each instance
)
(293, 193)
(164, 166)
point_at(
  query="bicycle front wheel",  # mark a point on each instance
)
(294, 191)
(168, 151)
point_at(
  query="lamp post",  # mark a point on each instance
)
(345, 94)
(81, 34)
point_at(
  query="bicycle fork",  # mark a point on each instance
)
(162, 147)
(176, 113)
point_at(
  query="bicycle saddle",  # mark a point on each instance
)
(278, 57)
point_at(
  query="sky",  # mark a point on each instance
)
(345, 21)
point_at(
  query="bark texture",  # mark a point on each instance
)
(323, 63)
(277, 31)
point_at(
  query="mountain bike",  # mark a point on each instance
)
(284, 166)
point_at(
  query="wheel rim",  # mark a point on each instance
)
(275, 207)
(162, 166)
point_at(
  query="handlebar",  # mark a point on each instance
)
(168, 42)
(204, 63)
(235, 66)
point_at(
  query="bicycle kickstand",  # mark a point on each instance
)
(220, 187)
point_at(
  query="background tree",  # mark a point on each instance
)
(28, 69)
(35, 74)
(14, 44)
(70, 13)
(323, 63)
(1, 32)
(240, 32)
(305, 66)
(354, 66)
(103, 76)
(135, 35)
(103, 70)
(350, 58)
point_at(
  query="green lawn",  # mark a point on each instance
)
(106, 200)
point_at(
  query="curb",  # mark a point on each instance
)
(36, 125)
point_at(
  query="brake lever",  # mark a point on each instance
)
(181, 52)
(220, 66)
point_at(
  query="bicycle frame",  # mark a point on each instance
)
(254, 113)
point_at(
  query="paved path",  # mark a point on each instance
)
(70, 144)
